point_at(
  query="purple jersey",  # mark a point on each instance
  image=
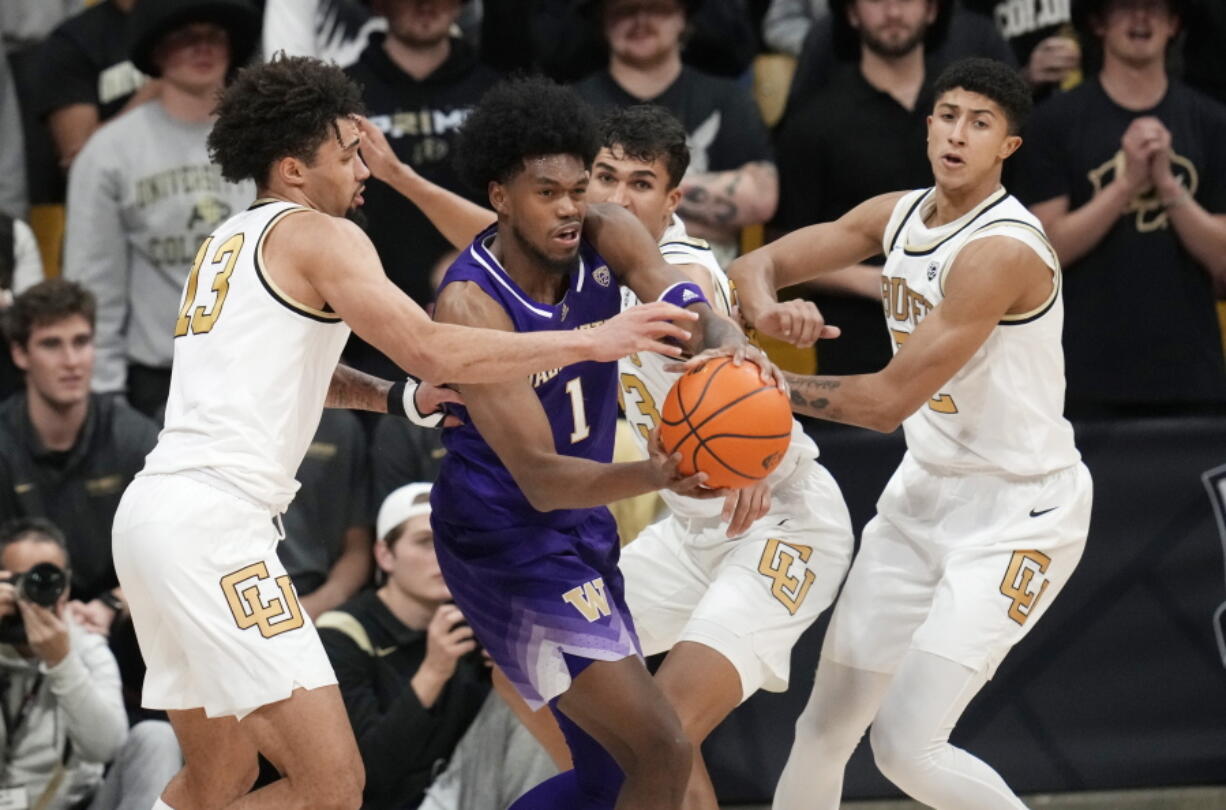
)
(474, 488)
(537, 586)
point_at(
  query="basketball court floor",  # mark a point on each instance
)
(1197, 798)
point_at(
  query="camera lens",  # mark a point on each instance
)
(43, 584)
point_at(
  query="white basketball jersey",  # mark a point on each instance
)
(1003, 410)
(645, 383)
(251, 367)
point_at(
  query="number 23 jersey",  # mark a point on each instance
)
(251, 367)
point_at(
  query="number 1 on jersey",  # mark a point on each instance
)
(581, 431)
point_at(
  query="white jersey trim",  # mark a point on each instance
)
(543, 313)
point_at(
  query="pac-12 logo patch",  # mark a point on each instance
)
(932, 270)
(602, 275)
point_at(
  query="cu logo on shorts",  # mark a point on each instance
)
(1019, 583)
(276, 615)
(777, 561)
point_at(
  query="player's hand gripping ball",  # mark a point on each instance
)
(726, 422)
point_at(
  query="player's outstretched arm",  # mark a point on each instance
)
(991, 278)
(803, 255)
(512, 421)
(457, 219)
(622, 240)
(331, 260)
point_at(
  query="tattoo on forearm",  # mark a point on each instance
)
(808, 395)
(699, 203)
(356, 390)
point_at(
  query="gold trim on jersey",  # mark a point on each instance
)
(691, 241)
(1057, 276)
(993, 199)
(276, 292)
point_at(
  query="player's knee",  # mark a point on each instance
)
(342, 791)
(900, 756)
(662, 753)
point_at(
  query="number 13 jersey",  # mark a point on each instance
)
(1002, 412)
(251, 367)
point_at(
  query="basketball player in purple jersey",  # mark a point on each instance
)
(527, 548)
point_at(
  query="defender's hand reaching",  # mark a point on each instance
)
(641, 329)
(798, 322)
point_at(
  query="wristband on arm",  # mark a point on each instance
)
(402, 401)
(683, 294)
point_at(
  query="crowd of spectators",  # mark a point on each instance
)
(104, 112)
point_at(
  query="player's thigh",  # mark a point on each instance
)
(998, 584)
(619, 705)
(662, 583)
(309, 739)
(887, 596)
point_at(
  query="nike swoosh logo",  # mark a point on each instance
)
(1033, 513)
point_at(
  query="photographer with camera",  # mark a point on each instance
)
(60, 700)
(431, 732)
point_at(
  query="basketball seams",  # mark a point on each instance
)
(693, 429)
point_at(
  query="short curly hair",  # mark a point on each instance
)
(284, 108)
(521, 118)
(46, 303)
(993, 79)
(647, 132)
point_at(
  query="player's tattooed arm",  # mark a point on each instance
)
(357, 390)
(990, 279)
(718, 203)
(420, 402)
(811, 395)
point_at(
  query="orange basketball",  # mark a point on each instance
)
(725, 422)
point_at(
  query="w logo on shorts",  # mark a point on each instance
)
(589, 599)
(275, 615)
(1019, 582)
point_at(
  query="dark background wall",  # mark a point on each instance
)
(1122, 684)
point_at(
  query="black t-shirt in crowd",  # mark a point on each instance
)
(1140, 321)
(421, 120)
(335, 497)
(77, 489)
(85, 61)
(724, 126)
(825, 171)
(403, 453)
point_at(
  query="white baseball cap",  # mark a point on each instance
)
(407, 502)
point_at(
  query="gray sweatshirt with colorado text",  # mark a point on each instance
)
(142, 196)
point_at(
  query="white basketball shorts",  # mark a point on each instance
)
(217, 618)
(750, 597)
(960, 566)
